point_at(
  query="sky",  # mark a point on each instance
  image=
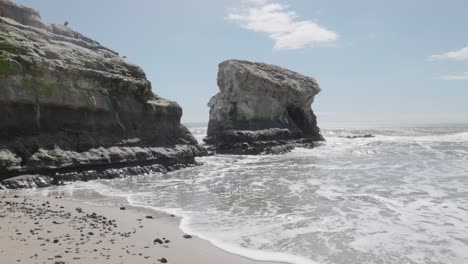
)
(376, 61)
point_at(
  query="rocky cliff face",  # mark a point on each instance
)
(68, 102)
(260, 106)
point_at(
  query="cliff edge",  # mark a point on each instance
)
(68, 104)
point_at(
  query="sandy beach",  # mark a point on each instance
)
(55, 229)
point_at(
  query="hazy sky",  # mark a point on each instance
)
(376, 61)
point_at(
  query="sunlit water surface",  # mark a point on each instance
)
(401, 197)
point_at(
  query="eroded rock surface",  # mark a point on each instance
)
(67, 102)
(261, 108)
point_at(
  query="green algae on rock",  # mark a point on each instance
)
(62, 93)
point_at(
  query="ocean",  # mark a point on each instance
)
(399, 197)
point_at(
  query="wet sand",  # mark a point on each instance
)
(40, 229)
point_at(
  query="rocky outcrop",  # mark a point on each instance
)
(359, 136)
(69, 104)
(73, 168)
(261, 108)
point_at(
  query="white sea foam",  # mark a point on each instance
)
(400, 197)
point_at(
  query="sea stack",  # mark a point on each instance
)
(68, 105)
(261, 108)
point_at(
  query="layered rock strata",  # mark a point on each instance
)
(262, 108)
(69, 104)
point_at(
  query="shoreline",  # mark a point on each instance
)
(40, 229)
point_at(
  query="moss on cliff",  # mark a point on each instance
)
(26, 65)
(38, 85)
(7, 47)
(5, 67)
(46, 89)
(5, 63)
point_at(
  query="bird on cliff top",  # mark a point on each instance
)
(66, 23)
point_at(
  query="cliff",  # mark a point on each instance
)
(67, 102)
(261, 106)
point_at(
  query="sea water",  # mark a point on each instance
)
(400, 197)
